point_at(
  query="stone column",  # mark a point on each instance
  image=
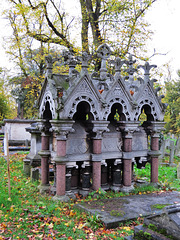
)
(98, 128)
(127, 128)
(156, 128)
(127, 162)
(96, 164)
(43, 126)
(61, 129)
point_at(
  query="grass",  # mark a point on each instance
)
(28, 215)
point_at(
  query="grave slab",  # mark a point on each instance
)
(113, 211)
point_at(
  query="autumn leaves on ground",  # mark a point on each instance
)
(28, 215)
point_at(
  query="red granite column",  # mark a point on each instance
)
(61, 169)
(44, 159)
(127, 163)
(96, 165)
(154, 159)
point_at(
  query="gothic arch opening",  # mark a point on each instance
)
(116, 113)
(83, 112)
(146, 115)
(47, 114)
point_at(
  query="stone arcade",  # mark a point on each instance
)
(90, 128)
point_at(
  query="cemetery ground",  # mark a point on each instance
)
(27, 214)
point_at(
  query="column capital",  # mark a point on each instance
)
(62, 128)
(128, 127)
(33, 128)
(155, 128)
(99, 127)
(43, 126)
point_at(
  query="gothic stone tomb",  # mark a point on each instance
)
(90, 128)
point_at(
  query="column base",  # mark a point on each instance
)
(116, 188)
(105, 187)
(126, 189)
(53, 190)
(63, 198)
(71, 195)
(44, 188)
(84, 193)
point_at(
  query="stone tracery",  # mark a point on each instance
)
(99, 115)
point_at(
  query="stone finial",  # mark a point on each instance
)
(104, 53)
(70, 60)
(147, 67)
(118, 63)
(131, 70)
(84, 59)
(49, 62)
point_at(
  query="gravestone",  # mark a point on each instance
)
(162, 151)
(177, 149)
(171, 158)
(178, 171)
(168, 220)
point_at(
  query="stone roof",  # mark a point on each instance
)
(101, 89)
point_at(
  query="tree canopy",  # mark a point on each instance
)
(172, 97)
(120, 23)
(6, 102)
(44, 26)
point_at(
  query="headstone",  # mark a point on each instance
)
(178, 171)
(34, 174)
(26, 167)
(177, 150)
(162, 151)
(171, 159)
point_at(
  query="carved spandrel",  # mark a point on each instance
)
(83, 87)
(147, 93)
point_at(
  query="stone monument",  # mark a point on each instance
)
(93, 123)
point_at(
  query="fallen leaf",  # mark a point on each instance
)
(51, 225)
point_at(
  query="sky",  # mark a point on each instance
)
(164, 17)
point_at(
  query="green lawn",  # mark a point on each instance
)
(29, 215)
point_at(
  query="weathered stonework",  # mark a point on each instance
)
(94, 123)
